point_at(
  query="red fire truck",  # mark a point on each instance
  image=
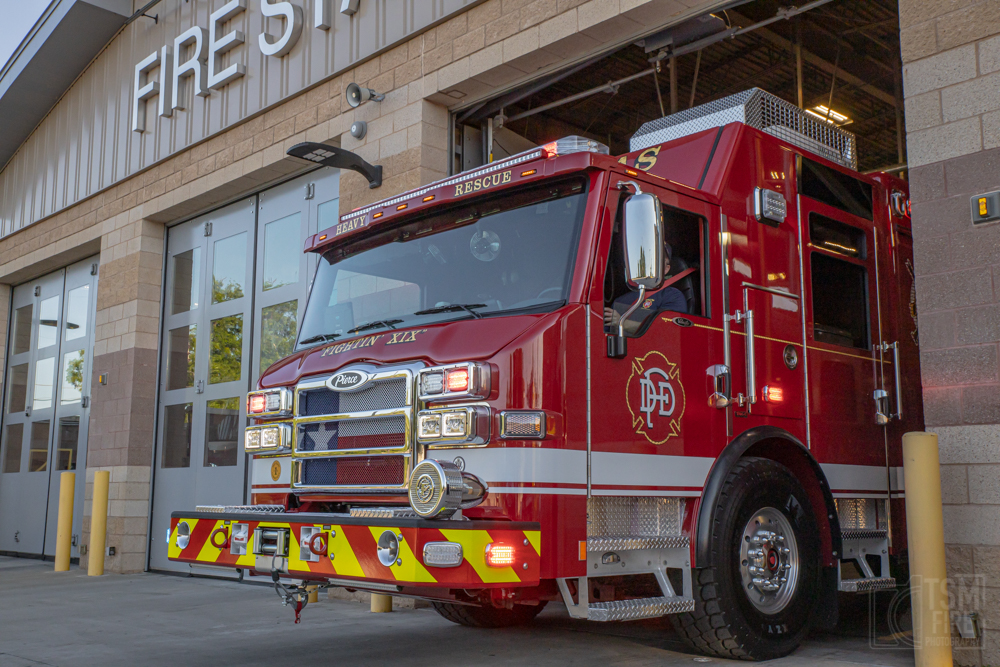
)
(672, 382)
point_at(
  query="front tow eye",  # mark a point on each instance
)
(299, 595)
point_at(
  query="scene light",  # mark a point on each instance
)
(826, 114)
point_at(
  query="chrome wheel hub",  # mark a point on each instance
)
(769, 561)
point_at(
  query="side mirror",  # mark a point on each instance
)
(643, 238)
(643, 227)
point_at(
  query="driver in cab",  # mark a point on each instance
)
(667, 298)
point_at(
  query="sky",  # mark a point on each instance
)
(16, 18)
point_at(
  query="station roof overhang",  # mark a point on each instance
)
(61, 44)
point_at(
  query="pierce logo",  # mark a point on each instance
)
(347, 380)
(655, 397)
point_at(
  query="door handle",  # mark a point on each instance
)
(897, 374)
(882, 415)
(720, 386)
(746, 319)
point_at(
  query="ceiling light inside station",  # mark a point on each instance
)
(831, 116)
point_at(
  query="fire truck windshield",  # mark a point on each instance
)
(499, 255)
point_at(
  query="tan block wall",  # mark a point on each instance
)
(951, 68)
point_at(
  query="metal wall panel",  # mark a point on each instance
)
(86, 144)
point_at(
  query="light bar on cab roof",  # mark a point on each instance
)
(564, 146)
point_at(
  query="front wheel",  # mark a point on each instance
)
(757, 601)
(488, 617)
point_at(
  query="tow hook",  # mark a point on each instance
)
(297, 595)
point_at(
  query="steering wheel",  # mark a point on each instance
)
(557, 292)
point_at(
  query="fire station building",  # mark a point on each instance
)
(152, 221)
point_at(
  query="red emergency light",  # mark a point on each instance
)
(499, 555)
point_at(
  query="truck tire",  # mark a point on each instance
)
(757, 601)
(488, 617)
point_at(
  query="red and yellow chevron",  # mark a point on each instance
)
(351, 552)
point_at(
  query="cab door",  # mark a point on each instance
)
(652, 426)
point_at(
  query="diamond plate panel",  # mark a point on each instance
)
(635, 543)
(761, 110)
(634, 516)
(633, 610)
(861, 514)
(246, 509)
(867, 585)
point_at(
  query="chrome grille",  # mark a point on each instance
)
(352, 434)
(367, 471)
(355, 441)
(384, 395)
(761, 110)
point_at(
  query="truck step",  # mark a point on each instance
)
(867, 584)
(633, 610)
(602, 544)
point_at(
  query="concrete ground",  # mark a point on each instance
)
(49, 618)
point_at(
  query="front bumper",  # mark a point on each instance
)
(351, 549)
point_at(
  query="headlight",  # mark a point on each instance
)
(429, 426)
(270, 437)
(454, 426)
(456, 382)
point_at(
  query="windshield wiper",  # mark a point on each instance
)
(455, 307)
(317, 338)
(375, 325)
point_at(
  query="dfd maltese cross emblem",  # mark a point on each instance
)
(655, 397)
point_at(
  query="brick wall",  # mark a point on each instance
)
(951, 70)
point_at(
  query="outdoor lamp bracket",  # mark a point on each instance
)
(338, 158)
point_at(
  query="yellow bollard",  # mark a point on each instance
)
(64, 529)
(313, 594)
(925, 532)
(98, 523)
(381, 603)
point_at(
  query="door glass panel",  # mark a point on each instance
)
(69, 436)
(177, 436)
(181, 343)
(278, 329)
(840, 302)
(187, 281)
(222, 431)
(229, 268)
(282, 247)
(18, 388)
(13, 435)
(72, 379)
(328, 214)
(226, 352)
(76, 312)
(48, 322)
(22, 329)
(38, 457)
(41, 398)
